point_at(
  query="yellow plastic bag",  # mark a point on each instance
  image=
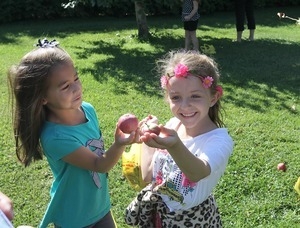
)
(131, 166)
(297, 186)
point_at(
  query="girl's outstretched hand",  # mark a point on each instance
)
(149, 119)
(166, 139)
(126, 139)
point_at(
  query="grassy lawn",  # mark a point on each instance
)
(261, 83)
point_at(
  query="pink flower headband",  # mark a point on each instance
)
(182, 70)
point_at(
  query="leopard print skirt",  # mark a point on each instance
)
(148, 211)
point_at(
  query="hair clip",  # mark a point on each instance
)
(46, 44)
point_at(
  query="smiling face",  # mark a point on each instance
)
(190, 102)
(64, 91)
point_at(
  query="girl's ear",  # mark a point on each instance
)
(44, 101)
(215, 98)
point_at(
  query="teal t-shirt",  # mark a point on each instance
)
(79, 197)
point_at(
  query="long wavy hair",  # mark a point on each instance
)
(29, 83)
(198, 64)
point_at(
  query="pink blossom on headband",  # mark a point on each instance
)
(163, 81)
(181, 70)
(207, 81)
(220, 90)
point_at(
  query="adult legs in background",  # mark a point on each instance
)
(239, 18)
(249, 8)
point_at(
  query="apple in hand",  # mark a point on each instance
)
(128, 123)
(281, 166)
(150, 128)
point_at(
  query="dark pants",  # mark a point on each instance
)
(107, 221)
(244, 9)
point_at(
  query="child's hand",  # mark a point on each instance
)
(148, 119)
(147, 124)
(187, 18)
(166, 139)
(6, 206)
(127, 139)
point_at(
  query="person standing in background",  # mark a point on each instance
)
(190, 18)
(244, 9)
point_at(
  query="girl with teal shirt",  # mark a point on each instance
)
(52, 120)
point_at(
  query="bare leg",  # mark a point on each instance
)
(239, 36)
(187, 40)
(194, 40)
(251, 35)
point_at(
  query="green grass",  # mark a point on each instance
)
(261, 81)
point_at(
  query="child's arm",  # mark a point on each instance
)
(194, 168)
(86, 159)
(195, 9)
(6, 206)
(147, 153)
(146, 162)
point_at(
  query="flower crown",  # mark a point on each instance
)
(182, 71)
(46, 44)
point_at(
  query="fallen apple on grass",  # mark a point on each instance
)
(150, 128)
(128, 123)
(281, 166)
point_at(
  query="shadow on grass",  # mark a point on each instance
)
(135, 65)
(263, 67)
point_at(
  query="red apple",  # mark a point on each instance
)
(128, 123)
(281, 166)
(151, 128)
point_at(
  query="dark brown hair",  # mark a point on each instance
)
(28, 82)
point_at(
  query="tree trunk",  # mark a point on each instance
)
(143, 31)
